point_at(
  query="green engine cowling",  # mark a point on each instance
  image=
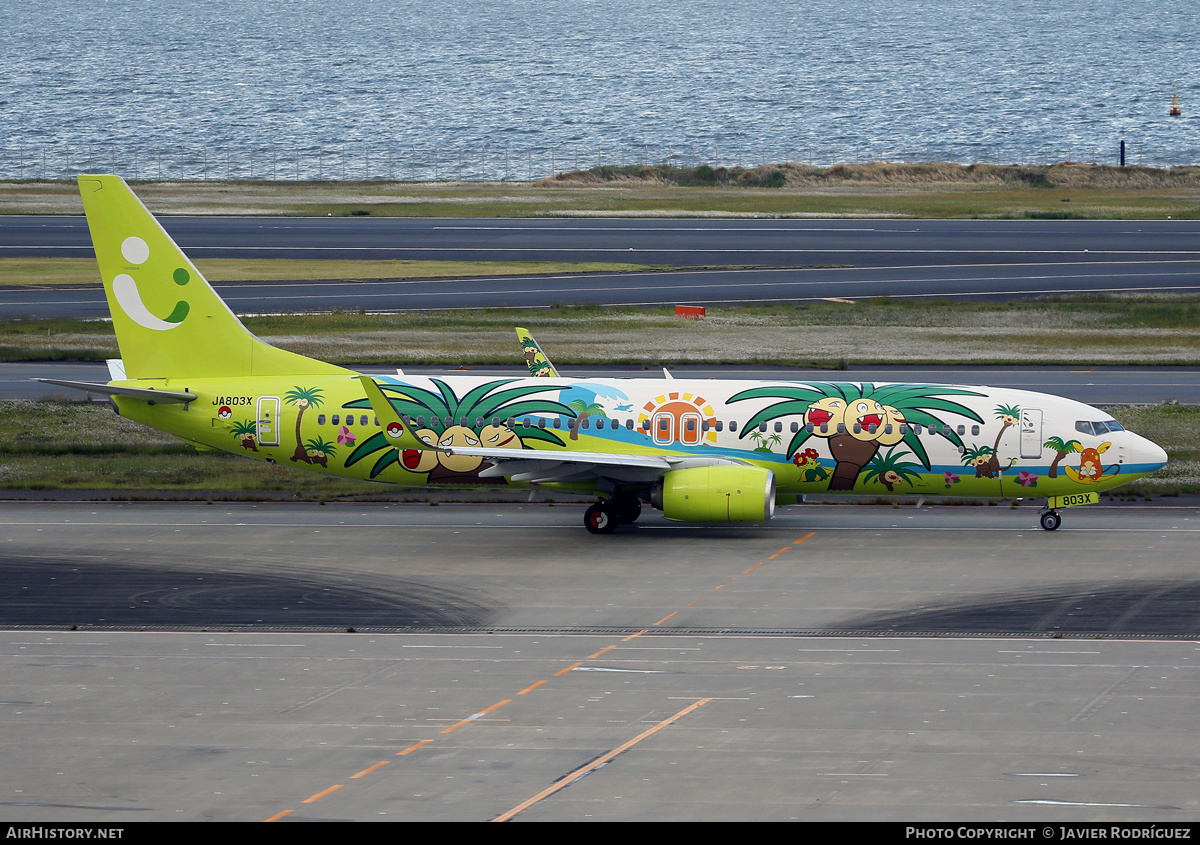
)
(724, 493)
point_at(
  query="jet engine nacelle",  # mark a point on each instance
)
(724, 493)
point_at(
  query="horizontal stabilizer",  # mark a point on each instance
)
(147, 393)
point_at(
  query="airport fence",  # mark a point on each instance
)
(484, 162)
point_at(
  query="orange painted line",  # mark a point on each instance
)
(805, 537)
(370, 769)
(695, 601)
(634, 636)
(600, 761)
(665, 618)
(568, 669)
(756, 566)
(475, 716)
(726, 584)
(604, 650)
(277, 816)
(413, 747)
(531, 687)
(322, 794)
(778, 553)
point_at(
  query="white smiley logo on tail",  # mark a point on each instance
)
(125, 290)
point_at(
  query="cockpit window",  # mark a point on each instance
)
(1098, 427)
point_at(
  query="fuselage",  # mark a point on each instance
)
(815, 436)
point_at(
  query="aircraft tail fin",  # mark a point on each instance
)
(169, 321)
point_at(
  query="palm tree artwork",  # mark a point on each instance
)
(1061, 449)
(303, 398)
(583, 410)
(479, 418)
(246, 431)
(858, 419)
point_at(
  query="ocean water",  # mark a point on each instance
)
(519, 88)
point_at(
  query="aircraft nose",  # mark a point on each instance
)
(1148, 452)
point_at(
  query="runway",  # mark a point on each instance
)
(1092, 385)
(839, 663)
(720, 261)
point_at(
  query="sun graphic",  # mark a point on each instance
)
(679, 418)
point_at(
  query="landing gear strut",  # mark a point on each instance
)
(1050, 520)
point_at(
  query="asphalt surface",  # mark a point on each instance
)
(776, 260)
(950, 664)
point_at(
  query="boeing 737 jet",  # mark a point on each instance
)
(698, 450)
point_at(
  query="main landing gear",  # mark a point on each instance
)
(1051, 519)
(604, 516)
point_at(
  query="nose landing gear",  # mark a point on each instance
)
(1050, 520)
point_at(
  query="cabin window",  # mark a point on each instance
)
(857, 428)
(962, 429)
(887, 429)
(614, 424)
(733, 425)
(704, 425)
(841, 428)
(795, 427)
(525, 422)
(629, 424)
(778, 427)
(542, 423)
(974, 431)
(320, 419)
(558, 422)
(719, 425)
(762, 426)
(809, 427)
(335, 419)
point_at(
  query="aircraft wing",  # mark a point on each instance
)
(545, 466)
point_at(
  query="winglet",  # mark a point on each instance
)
(396, 428)
(539, 364)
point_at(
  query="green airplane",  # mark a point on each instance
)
(698, 450)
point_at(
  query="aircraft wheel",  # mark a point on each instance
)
(626, 509)
(599, 519)
(1051, 520)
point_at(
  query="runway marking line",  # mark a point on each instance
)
(475, 716)
(756, 566)
(668, 616)
(413, 747)
(278, 816)
(568, 669)
(634, 636)
(533, 686)
(600, 761)
(370, 769)
(602, 651)
(781, 551)
(312, 799)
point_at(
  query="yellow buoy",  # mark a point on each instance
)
(1175, 112)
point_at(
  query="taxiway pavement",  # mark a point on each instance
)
(839, 663)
